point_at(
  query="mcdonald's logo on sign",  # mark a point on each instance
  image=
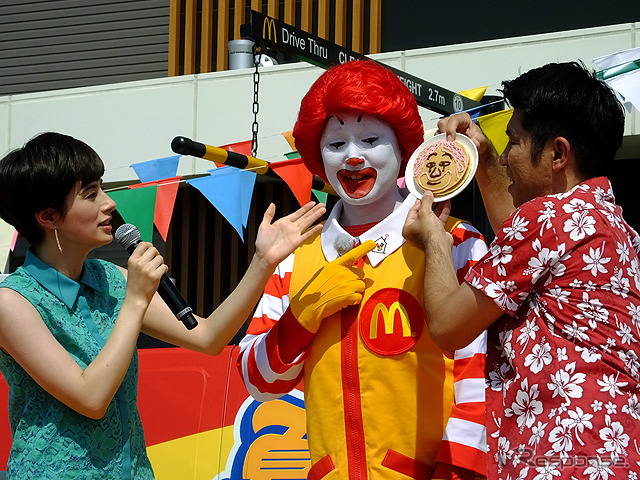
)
(267, 26)
(391, 321)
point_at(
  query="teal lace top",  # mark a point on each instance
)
(50, 440)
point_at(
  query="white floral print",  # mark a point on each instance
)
(526, 407)
(619, 283)
(539, 357)
(615, 440)
(598, 469)
(565, 383)
(564, 362)
(611, 386)
(515, 230)
(580, 225)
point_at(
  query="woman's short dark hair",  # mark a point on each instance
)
(567, 100)
(40, 175)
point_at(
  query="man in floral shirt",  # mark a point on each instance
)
(559, 289)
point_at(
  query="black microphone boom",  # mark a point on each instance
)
(128, 237)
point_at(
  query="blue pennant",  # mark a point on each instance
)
(159, 169)
(229, 190)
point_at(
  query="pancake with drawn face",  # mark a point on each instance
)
(441, 167)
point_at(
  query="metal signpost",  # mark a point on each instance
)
(271, 33)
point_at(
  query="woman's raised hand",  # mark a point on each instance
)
(277, 240)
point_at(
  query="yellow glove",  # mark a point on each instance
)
(337, 285)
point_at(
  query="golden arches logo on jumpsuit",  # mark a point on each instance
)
(391, 321)
(267, 26)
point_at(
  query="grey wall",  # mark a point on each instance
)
(53, 44)
(409, 24)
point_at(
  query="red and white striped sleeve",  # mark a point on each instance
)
(464, 443)
(265, 374)
(468, 248)
(463, 450)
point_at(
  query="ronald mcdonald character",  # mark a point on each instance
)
(382, 401)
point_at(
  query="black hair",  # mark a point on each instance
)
(567, 100)
(41, 175)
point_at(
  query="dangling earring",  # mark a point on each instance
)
(55, 231)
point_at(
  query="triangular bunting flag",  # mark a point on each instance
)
(296, 175)
(165, 200)
(158, 169)
(494, 127)
(229, 190)
(137, 207)
(243, 148)
(289, 138)
(321, 196)
(247, 181)
(7, 236)
(475, 112)
(475, 94)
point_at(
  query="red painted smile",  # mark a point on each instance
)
(357, 184)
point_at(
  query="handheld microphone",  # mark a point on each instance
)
(128, 237)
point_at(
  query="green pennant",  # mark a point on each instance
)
(137, 207)
(321, 196)
(292, 155)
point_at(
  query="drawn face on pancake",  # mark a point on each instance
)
(441, 167)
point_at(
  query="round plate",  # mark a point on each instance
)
(471, 151)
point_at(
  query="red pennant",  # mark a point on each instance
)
(165, 200)
(296, 175)
(243, 148)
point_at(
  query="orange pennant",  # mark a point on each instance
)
(289, 138)
(296, 175)
(165, 200)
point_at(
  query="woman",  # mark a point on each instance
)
(68, 325)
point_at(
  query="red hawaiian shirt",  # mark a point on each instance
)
(562, 366)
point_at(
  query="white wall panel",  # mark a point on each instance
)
(125, 123)
(225, 106)
(4, 124)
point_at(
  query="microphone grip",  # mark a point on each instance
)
(178, 305)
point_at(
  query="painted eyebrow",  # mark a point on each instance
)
(444, 154)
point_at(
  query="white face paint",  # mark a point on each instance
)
(361, 157)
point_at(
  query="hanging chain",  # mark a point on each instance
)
(256, 104)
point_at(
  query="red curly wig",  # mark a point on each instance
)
(356, 86)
